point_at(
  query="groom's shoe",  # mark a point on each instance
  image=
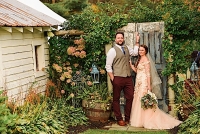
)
(121, 123)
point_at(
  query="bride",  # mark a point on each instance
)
(147, 79)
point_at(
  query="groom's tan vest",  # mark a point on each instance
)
(121, 66)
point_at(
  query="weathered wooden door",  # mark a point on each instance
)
(151, 34)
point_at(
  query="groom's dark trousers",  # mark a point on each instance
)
(125, 84)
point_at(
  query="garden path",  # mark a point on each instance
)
(127, 128)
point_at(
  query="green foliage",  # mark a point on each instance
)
(180, 22)
(140, 13)
(75, 5)
(51, 116)
(101, 21)
(69, 115)
(59, 8)
(70, 65)
(58, 55)
(180, 39)
(100, 24)
(96, 92)
(192, 124)
(65, 8)
(6, 117)
(179, 25)
(188, 99)
(36, 119)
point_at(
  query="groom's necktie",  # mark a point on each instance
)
(123, 49)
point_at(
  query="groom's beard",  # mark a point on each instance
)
(120, 43)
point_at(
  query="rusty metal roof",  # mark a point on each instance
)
(15, 13)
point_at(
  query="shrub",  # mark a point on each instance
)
(192, 124)
(7, 119)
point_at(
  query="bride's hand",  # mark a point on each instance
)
(132, 66)
(149, 88)
(144, 93)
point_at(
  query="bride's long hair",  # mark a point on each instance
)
(139, 57)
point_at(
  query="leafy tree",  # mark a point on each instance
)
(59, 8)
(75, 5)
(65, 8)
(183, 24)
(51, 1)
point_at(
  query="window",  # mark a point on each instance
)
(39, 60)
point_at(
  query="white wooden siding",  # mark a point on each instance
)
(19, 62)
(16, 49)
(15, 77)
(16, 56)
(17, 71)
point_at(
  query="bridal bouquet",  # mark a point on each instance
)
(149, 100)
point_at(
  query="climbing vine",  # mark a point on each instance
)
(100, 24)
(181, 39)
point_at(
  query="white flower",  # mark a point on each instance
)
(152, 95)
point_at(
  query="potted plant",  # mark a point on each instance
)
(96, 102)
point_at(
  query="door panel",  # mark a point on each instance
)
(151, 34)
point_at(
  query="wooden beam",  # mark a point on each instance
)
(9, 29)
(29, 29)
(38, 28)
(20, 29)
(46, 28)
(68, 32)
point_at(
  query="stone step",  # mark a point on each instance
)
(128, 128)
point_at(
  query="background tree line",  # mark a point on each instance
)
(65, 8)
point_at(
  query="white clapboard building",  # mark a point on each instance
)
(24, 54)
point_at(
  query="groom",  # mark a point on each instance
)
(119, 71)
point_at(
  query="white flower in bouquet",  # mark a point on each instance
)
(149, 100)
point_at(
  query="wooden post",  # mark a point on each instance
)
(53, 1)
(107, 47)
(170, 90)
(171, 95)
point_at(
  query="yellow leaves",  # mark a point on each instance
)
(50, 34)
(95, 8)
(166, 16)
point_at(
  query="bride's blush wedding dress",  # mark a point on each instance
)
(149, 118)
